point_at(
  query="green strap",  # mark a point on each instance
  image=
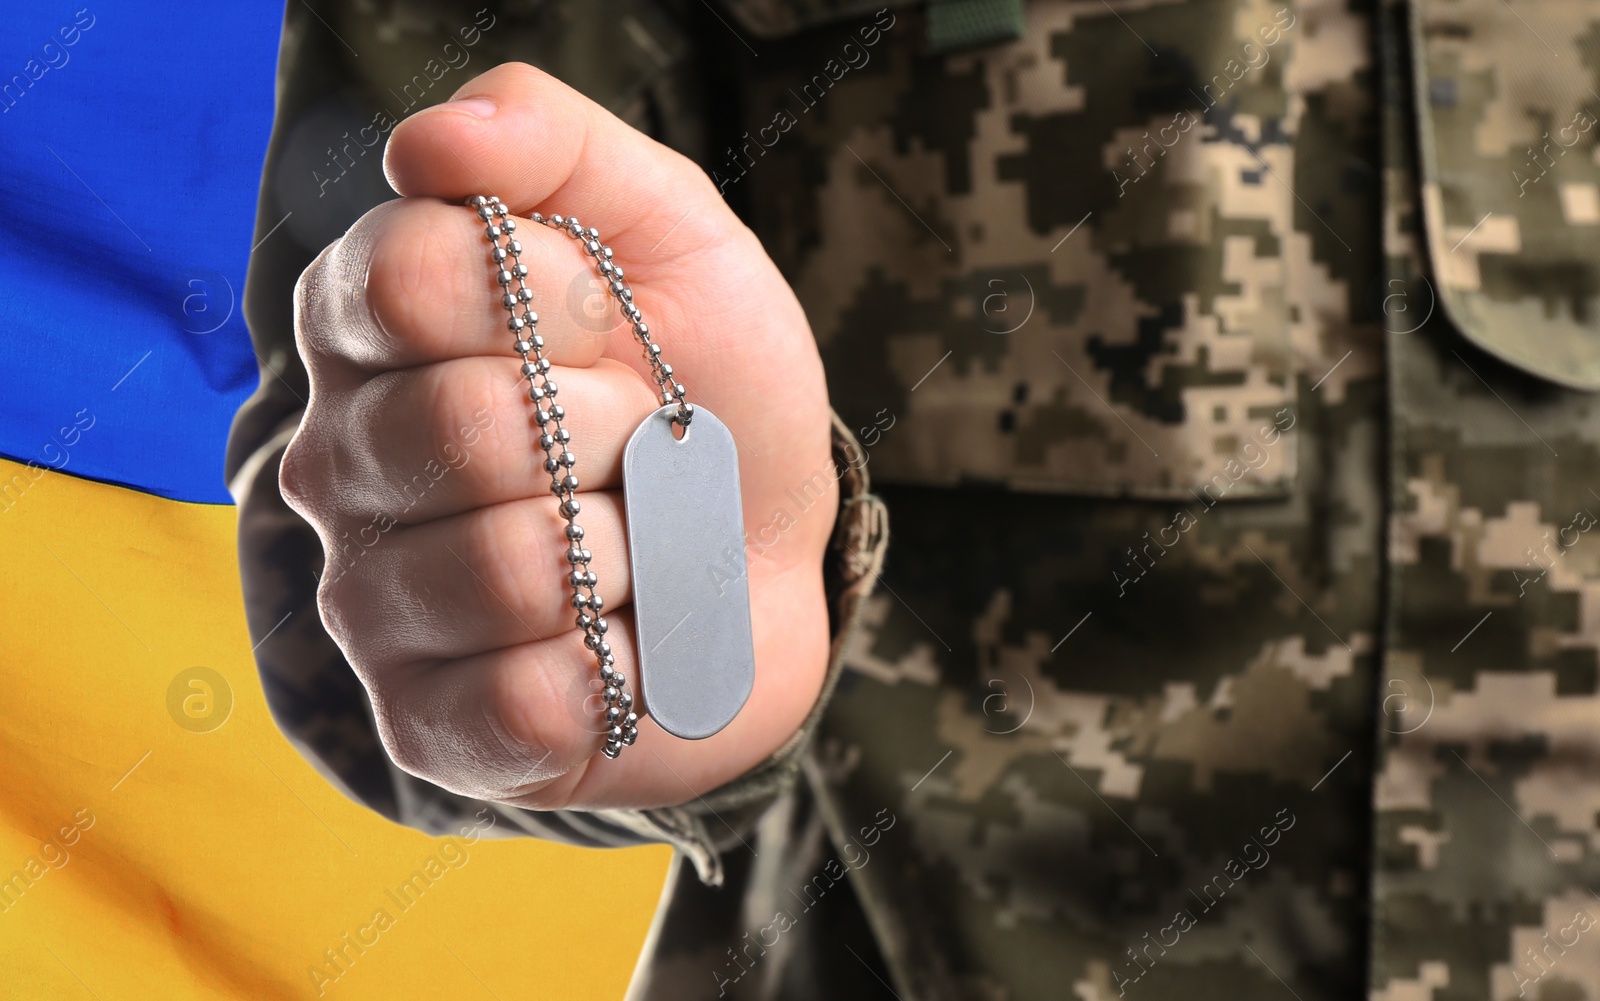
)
(966, 24)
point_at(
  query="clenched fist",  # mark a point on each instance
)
(457, 618)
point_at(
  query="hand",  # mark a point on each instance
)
(420, 438)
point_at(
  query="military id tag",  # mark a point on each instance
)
(691, 592)
(691, 595)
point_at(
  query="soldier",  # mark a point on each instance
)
(1226, 366)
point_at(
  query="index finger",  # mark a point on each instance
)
(521, 134)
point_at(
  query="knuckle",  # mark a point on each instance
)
(409, 754)
(306, 470)
(316, 313)
(295, 478)
(333, 594)
(306, 301)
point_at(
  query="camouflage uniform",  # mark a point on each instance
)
(1228, 368)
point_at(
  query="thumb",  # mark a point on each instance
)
(519, 133)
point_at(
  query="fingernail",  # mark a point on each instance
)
(479, 106)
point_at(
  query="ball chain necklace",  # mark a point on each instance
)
(685, 520)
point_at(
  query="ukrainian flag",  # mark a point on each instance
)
(158, 836)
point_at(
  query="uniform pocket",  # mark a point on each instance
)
(1056, 264)
(1506, 107)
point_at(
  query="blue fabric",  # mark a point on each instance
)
(128, 178)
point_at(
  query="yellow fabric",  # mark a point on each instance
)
(222, 865)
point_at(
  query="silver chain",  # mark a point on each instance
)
(621, 720)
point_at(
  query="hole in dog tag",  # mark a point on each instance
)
(691, 592)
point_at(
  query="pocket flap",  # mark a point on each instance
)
(1511, 177)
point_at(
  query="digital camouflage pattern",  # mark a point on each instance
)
(1510, 186)
(1084, 805)
(1488, 790)
(1173, 286)
(1239, 632)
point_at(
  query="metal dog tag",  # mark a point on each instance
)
(691, 592)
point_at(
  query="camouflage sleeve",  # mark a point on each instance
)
(321, 172)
